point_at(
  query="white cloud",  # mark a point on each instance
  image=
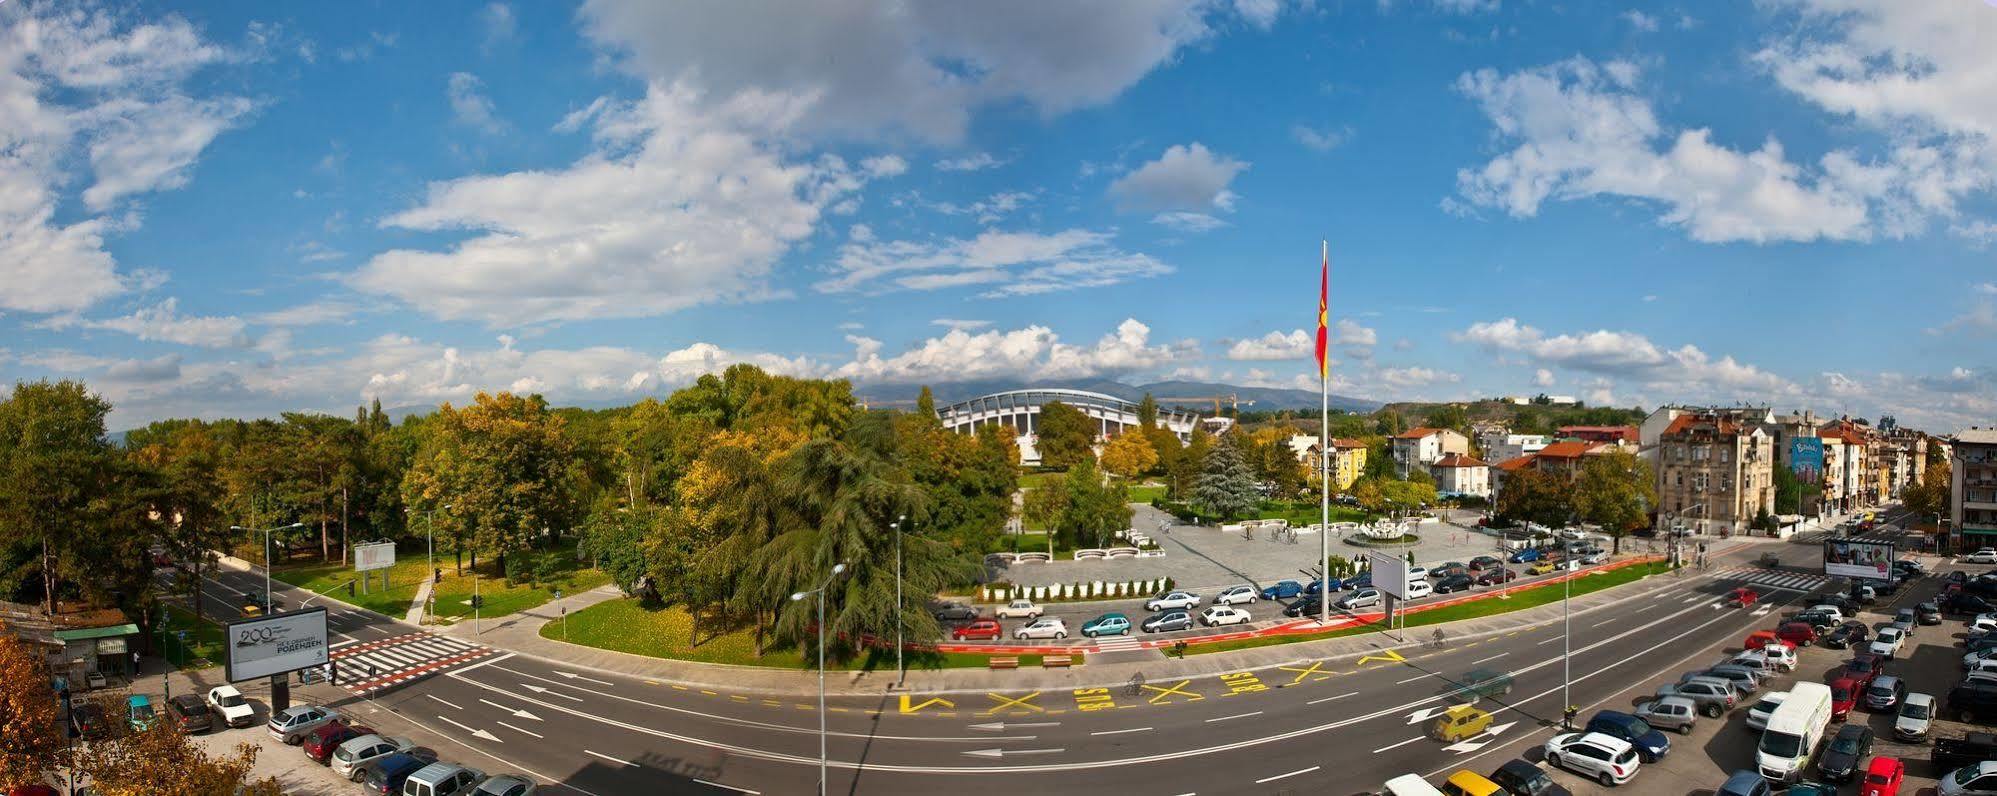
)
(313, 313)
(1260, 13)
(1581, 130)
(1188, 222)
(164, 323)
(988, 210)
(679, 205)
(469, 105)
(1542, 378)
(1979, 320)
(1323, 140)
(82, 85)
(1188, 177)
(1641, 21)
(1414, 377)
(872, 67)
(499, 23)
(1626, 355)
(960, 324)
(1004, 263)
(977, 161)
(1034, 352)
(1302, 344)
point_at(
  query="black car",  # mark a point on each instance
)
(1817, 619)
(1980, 643)
(1973, 699)
(1957, 576)
(1928, 613)
(1650, 744)
(955, 612)
(1849, 634)
(1848, 605)
(1961, 603)
(1454, 583)
(1482, 563)
(1521, 778)
(1304, 606)
(1496, 577)
(1846, 750)
(87, 721)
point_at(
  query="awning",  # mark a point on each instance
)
(80, 634)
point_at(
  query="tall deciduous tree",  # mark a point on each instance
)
(161, 761)
(1615, 490)
(1128, 454)
(505, 467)
(187, 459)
(1095, 511)
(1932, 495)
(31, 733)
(1226, 483)
(55, 465)
(1533, 496)
(1066, 435)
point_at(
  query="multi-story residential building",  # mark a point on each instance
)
(1973, 488)
(1610, 435)
(1348, 459)
(1460, 474)
(1420, 447)
(1715, 472)
(1563, 459)
(1857, 485)
(1512, 446)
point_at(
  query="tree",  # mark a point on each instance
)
(1791, 493)
(1128, 454)
(160, 761)
(1932, 494)
(54, 463)
(1094, 511)
(925, 404)
(1616, 491)
(1147, 412)
(1183, 473)
(31, 732)
(1045, 505)
(1535, 497)
(505, 467)
(1226, 484)
(187, 459)
(1402, 497)
(1367, 492)
(1067, 436)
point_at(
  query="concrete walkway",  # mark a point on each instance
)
(418, 602)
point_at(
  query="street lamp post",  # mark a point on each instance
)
(900, 670)
(820, 593)
(266, 555)
(430, 537)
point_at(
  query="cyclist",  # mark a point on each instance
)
(1439, 642)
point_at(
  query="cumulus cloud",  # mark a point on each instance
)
(976, 161)
(1302, 344)
(1034, 352)
(999, 263)
(1581, 129)
(163, 322)
(499, 24)
(1187, 177)
(1414, 377)
(469, 105)
(1625, 355)
(1640, 21)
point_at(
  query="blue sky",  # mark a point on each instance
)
(240, 209)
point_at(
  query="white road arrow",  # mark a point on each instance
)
(543, 690)
(1425, 714)
(521, 713)
(999, 754)
(1480, 741)
(999, 726)
(475, 733)
(574, 676)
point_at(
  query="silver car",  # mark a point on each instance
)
(1917, 712)
(1757, 715)
(506, 785)
(291, 725)
(354, 757)
(1670, 713)
(1713, 696)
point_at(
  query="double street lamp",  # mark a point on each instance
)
(266, 554)
(820, 594)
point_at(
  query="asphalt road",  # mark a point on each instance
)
(1340, 725)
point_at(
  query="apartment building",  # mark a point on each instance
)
(1511, 446)
(1461, 474)
(1418, 448)
(1715, 472)
(1348, 459)
(1973, 493)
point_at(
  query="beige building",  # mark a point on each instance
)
(1715, 473)
(1348, 459)
(1463, 475)
(1973, 497)
(1418, 448)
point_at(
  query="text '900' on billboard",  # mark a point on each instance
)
(1855, 558)
(276, 644)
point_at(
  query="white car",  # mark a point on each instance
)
(1235, 595)
(1757, 715)
(1361, 598)
(1019, 609)
(1223, 615)
(1050, 627)
(1981, 625)
(1987, 555)
(1917, 714)
(1419, 589)
(1837, 616)
(236, 711)
(1604, 758)
(1417, 572)
(1970, 780)
(1970, 660)
(1777, 657)
(1887, 642)
(1172, 599)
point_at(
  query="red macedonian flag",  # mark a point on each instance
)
(1324, 317)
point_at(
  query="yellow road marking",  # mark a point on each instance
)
(1165, 691)
(1087, 699)
(907, 708)
(1312, 671)
(1001, 702)
(1389, 656)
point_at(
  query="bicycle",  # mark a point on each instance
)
(1137, 684)
(1438, 640)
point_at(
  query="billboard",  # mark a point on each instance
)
(1806, 459)
(1390, 573)
(373, 556)
(1858, 558)
(275, 644)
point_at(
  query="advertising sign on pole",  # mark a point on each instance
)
(373, 556)
(1806, 459)
(1390, 573)
(1858, 558)
(275, 644)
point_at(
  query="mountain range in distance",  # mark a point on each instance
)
(1262, 399)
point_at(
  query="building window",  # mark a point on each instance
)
(1698, 482)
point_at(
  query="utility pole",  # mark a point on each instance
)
(900, 668)
(820, 593)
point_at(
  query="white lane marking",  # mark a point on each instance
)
(517, 729)
(1692, 599)
(731, 787)
(1120, 732)
(1291, 774)
(540, 690)
(1487, 660)
(475, 733)
(1550, 641)
(1397, 746)
(1610, 621)
(1330, 698)
(350, 640)
(486, 662)
(1237, 716)
(443, 700)
(574, 676)
(608, 757)
(1422, 676)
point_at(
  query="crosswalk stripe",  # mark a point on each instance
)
(402, 659)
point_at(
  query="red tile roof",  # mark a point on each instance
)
(1520, 463)
(1417, 432)
(1568, 450)
(1459, 460)
(1346, 444)
(1622, 432)
(1722, 425)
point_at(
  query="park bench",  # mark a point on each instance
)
(1057, 661)
(1003, 662)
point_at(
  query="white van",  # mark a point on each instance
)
(1410, 785)
(1794, 730)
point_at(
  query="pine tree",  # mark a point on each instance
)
(1227, 484)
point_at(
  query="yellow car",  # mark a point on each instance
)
(1459, 723)
(1542, 568)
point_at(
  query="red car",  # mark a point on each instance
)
(1745, 597)
(320, 743)
(1496, 576)
(1844, 697)
(979, 630)
(1883, 777)
(1863, 668)
(1760, 638)
(1797, 634)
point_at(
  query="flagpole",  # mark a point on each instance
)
(1324, 440)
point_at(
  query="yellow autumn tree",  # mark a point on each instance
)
(1128, 454)
(31, 733)
(162, 762)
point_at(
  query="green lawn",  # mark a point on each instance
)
(452, 595)
(204, 640)
(1518, 601)
(1029, 542)
(1302, 513)
(1031, 480)
(1146, 494)
(627, 625)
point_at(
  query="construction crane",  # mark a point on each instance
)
(1233, 402)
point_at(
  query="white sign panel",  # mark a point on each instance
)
(1390, 573)
(276, 644)
(370, 557)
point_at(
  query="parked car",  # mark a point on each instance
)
(506, 785)
(1758, 713)
(291, 725)
(1883, 777)
(1448, 569)
(1960, 603)
(1224, 615)
(1496, 576)
(1419, 589)
(1745, 680)
(1915, 719)
(1167, 621)
(1453, 583)
(442, 779)
(385, 778)
(88, 721)
(139, 713)
(1849, 634)
(1743, 783)
(1650, 744)
(1863, 667)
(1950, 754)
(1714, 697)
(1841, 757)
(1111, 624)
(1235, 595)
(1844, 697)
(955, 612)
(1610, 761)
(236, 711)
(1777, 656)
(1760, 638)
(1837, 614)
(1417, 572)
(1282, 590)
(1885, 693)
(978, 630)
(1045, 627)
(1796, 634)
(1971, 700)
(1541, 568)
(1978, 779)
(353, 758)
(1481, 563)
(1521, 778)
(1019, 609)
(1906, 619)
(1525, 556)
(1987, 555)
(1307, 606)
(1886, 643)
(1669, 713)
(1172, 599)
(189, 713)
(320, 743)
(1363, 598)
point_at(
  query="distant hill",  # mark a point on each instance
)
(1263, 398)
